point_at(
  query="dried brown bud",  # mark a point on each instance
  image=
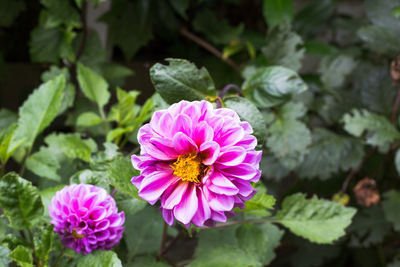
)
(395, 70)
(366, 192)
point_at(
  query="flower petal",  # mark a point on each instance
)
(209, 152)
(184, 144)
(187, 208)
(153, 186)
(232, 157)
(175, 196)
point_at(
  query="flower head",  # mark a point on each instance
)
(199, 161)
(86, 218)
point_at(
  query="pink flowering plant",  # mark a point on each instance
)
(199, 133)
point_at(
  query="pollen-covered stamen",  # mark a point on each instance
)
(76, 235)
(189, 168)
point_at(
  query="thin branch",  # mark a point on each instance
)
(173, 241)
(208, 47)
(222, 225)
(164, 239)
(84, 31)
(227, 88)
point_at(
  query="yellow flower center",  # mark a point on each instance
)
(189, 168)
(76, 235)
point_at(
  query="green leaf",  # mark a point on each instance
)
(334, 69)
(272, 168)
(98, 178)
(22, 256)
(284, 47)
(247, 245)
(100, 258)
(147, 261)
(6, 150)
(9, 11)
(60, 13)
(369, 227)
(278, 12)
(397, 161)
(20, 201)
(320, 221)
(271, 86)
(7, 117)
(44, 164)
(180, 6)
(380, 13)
(260, 204)
(45, 44)
(46, 196)
(126, 17)
(396, 12)
(126, 109)
(216, 30)
(131, 206)
(287, 137)
(390, 206)
(379, 39)
(247, 111)
(143, 231)
(4, 256)
(329, 153)
(120, 172)
(380, 132)
(87, 119)
(72, 145)
(181, 80)
(38, 111)
(43, 243)
(93, 85)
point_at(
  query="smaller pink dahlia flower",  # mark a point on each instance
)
(86, 218)
(198, 161)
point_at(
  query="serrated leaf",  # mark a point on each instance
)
(43, 243)
(247, 111)
(390, 206)
(20, 201)
(329, 153)
(120, 173)
(181, 80)
(38, 111)
(216, 30)
(126, 108)
(4, 256)
(283, 47)
(334, 69)
(380, 132)
(271, 167)
(46, 196)
(93, 85)
(44, 164)
(278, 12)
(72, 145)
(98, 178)
(87, 119)
(259, 205)
(320, 221)
(100, 258)
(60, 13)
(288, 137)
(22, 256)
(272, 86)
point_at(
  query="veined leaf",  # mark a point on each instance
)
(20, 201)
(44, 164)
(278, 12)
(181, 80)
(93, 85)
(5, 143)
(22, 256)
(120, 173)
(88, 119)
(100, 258)
(320, 221)
(38, 111)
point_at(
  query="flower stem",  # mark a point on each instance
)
(163, 241)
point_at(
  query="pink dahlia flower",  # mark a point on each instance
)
(86, 218)
(199, 161)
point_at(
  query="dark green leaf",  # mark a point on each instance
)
(9, 11)
(379, 39)
(334, 69)
(181, 80)
(45, 44)
(278, 12)
(215, 29)
(247, 111)
(330, 153)
(272, 86)
(7, 117)
(120, 172)
(60, 12)
(320, 221)
(147, 261)
(390, 206)
(180, 6)
(20, 201)
(379, 12)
